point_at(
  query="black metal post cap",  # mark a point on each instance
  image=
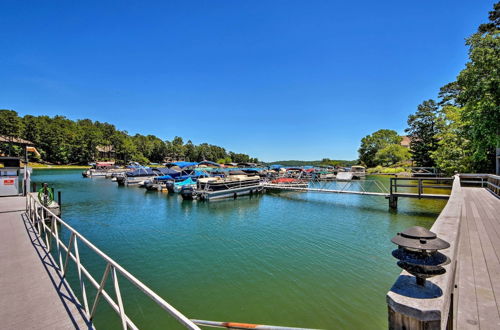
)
(419, 238)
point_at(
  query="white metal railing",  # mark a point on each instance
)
(47, 224)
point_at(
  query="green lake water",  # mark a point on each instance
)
(291, 259)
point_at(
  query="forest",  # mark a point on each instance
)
(60, 140)
(460, 130)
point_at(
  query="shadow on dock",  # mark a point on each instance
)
(59, 284)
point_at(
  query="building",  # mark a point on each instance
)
(405, 142)
(106, 152)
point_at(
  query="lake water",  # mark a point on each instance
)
(290, 259)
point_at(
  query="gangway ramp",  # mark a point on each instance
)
(32, 293)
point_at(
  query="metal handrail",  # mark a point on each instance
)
(39, 214)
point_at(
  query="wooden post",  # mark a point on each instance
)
(393, 202)
(59, 201)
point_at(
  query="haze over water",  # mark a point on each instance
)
(291, 259)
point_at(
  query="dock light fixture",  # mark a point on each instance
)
(418, 253)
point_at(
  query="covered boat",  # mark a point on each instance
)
(231, 186)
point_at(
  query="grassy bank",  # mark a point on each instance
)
(380, 170)
(56, 167)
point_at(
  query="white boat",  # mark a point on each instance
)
(358, 172)
(231, 186)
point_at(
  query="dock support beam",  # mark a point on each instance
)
(393, 202)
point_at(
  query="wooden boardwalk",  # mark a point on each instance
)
(477, 297)
(32, 294)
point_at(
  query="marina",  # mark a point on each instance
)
(221, 248)
(196, 191)
(250, 165)
(257, 236)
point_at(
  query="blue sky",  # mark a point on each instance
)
(274, 79)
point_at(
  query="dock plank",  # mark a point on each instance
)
(32, 294)
(467, 313)
(478, 269)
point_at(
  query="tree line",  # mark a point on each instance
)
(322, 162)
(63, 141)
(460, 130)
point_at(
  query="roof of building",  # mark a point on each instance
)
(15, 140)
(109, 148)
(405, 142)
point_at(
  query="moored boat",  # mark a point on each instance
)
(231, 186)
(358, 172)
(289, 183)
(101, 169)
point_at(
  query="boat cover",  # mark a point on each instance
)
(188, 181)
(141, 172)
(166, 171)
(182, 164)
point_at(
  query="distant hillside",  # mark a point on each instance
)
(324, 162)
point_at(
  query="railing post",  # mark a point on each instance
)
(420, 188)
(82, 283)
(99, 291)
(71, 239)
(119, 298)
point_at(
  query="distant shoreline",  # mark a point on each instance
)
(36, 166)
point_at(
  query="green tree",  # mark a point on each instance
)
(190, 151)
(11, 124)
(422, 131)
(372, 143)
(477, 93)
(453, 147)
(392, 154)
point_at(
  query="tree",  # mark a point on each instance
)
(11, 124)
(422, 132)
(477, 92)
(453, 148)
(480, 93)
(392, 154)
(371, 144)
(190, 151)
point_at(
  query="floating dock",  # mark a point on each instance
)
(33, 295)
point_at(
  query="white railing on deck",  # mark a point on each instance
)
(47, 225)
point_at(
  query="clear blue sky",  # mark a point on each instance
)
(274, 79)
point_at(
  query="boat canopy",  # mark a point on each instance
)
(207, 162)
(145, 171)
(182, 164)
(165, 171)
(236, 172)
(163, 178)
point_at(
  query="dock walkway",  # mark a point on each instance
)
(32, 293)
(478, 268)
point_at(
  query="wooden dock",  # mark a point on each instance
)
(467, 295)
(477, 300)
(32, 293)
